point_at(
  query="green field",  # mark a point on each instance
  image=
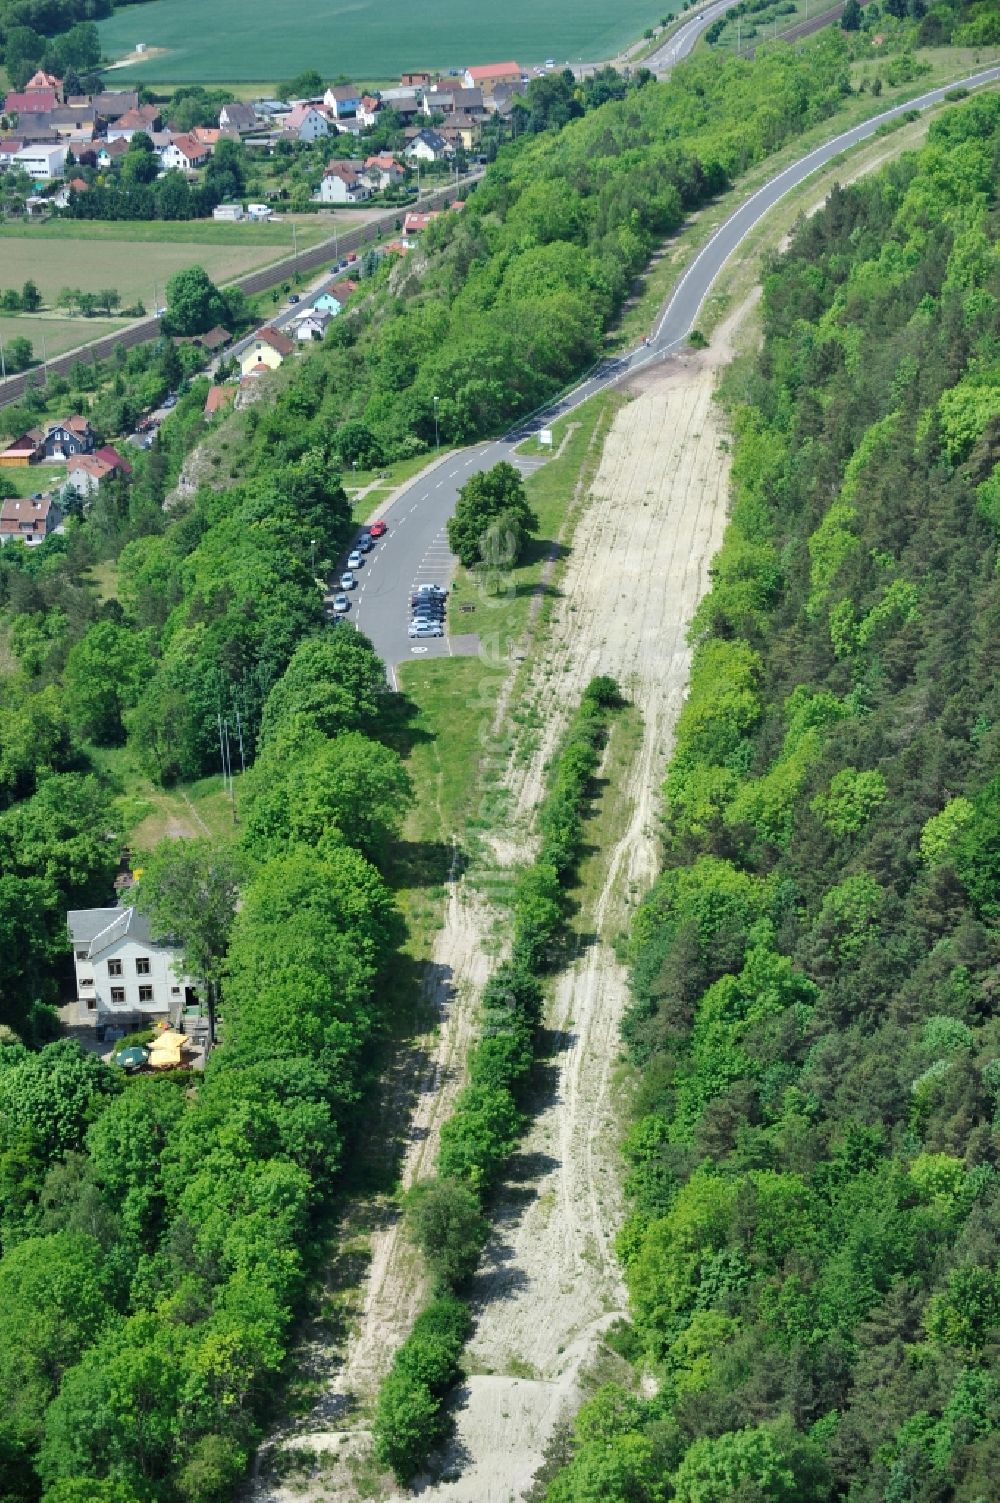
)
(54, 336)
(367, 39)
(134, 258)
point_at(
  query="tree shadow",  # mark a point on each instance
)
(398, 723)
(423, 863)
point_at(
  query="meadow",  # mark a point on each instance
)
(366, 39)
(135, 258)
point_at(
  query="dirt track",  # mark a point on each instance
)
(550, 1282)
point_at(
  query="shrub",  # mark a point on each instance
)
(445, 1221)
(408, 1424)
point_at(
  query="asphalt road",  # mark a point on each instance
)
(415, 548)
(682, 42)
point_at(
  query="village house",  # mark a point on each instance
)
(86, 473)
(241, 118)
(420, 80)
(485, 76)
(72, 436)
(267, 349)
(111, 152)
(443, 100)
(343, 183)
(30, 520)
(111, 105)
(306, 123)
(9, 148)
(414, 223)
(27, 448)
(334, 296)
(145, 117)
(500, 99)
(368, 110)
(462, 132)
(124, 978)
(383, 171)
(428, 145)
(311, 324)
(343, 101)
(41, 162)
(218, 399)
(75, 185)
(34, 102)
(185, 153)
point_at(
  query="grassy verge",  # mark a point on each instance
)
(499, 609)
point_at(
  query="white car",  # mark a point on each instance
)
(425, 629)
(356, 560)
(341, 603)
(347, 581)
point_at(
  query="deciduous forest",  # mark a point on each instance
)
(811, 1155)
(812, 1249)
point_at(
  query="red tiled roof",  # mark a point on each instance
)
(37, 102)
(276, 340)
(218, 397)
(494, 70)
(91, 465)
(20, 518)
(112, 457)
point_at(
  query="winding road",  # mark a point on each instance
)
(415, 549)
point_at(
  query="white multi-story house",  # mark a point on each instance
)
(124, 978)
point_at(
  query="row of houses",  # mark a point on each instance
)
(43, 128)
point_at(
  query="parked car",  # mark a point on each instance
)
(436, 591)
(425, 629)
(293, 297)
(347, 581)
(170, 400)
(354, 560)
(341, 603)
(427, 608)
(377, 530)
(365, 543)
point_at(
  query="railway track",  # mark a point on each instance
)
(256, 281)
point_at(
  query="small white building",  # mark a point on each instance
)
(259, 211)
(312, 324)
(41, 162)
(124, 978)
(229, 212)
(343, 183)
(429, 146)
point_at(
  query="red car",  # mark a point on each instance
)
(378, 530)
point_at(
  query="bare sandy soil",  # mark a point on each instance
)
(550, 1283)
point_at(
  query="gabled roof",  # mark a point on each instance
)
(100, 928)
(385, 160)
(25, 443)
(90, 464)
(218, 398)
(486, 71)
(40, 80)
(112, 457)
(189, 147)
(116, 148)
(343, 92)
(340, 290)
(19, 516)
(75, 424)
(300, 114)
(215, 339)
(38, 102)
(431, 138)
(276, 340)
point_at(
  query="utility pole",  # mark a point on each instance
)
(3, 363)
(295, 252)
(437, 441)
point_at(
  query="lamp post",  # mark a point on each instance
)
(437, 441)
(312, 554)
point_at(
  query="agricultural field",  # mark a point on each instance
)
(51, 336)
(134, 258)
(370, 39)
